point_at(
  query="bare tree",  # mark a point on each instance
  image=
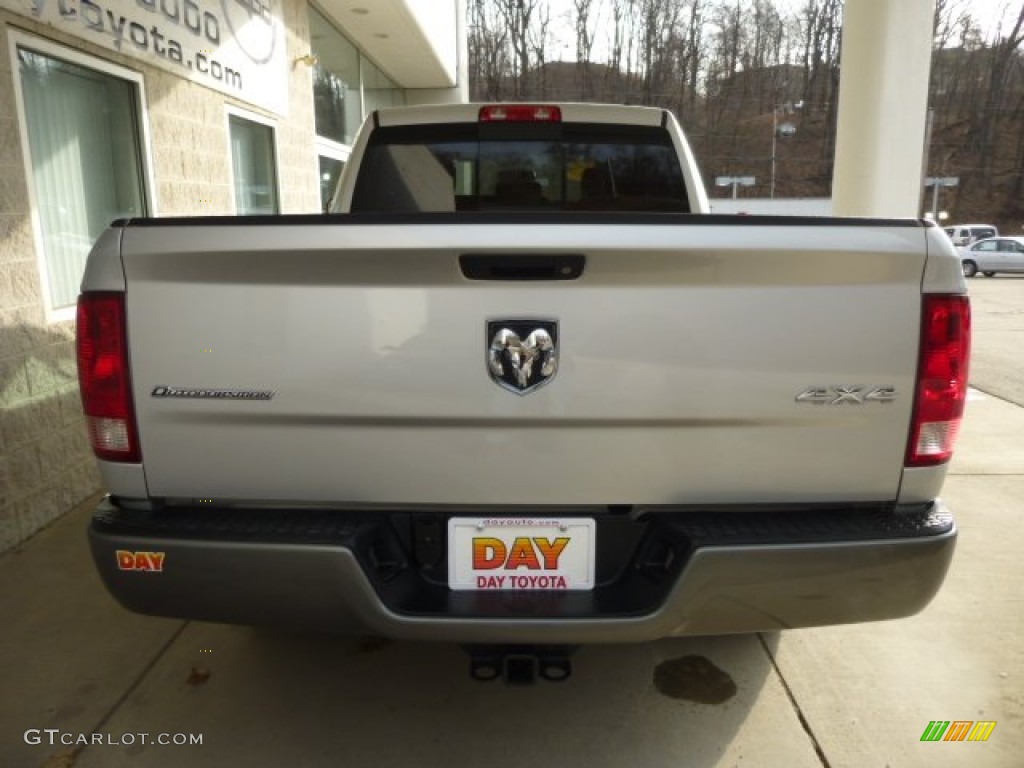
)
(626, 22)
(584, 44)
(538, 39)
(949, 19)
(658, 31)
(821, 21)
(488, 51)
(517, 16)
(694, 53)
(1003, 56)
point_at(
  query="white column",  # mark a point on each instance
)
(462, 43)
(460, 92)
(883, 100)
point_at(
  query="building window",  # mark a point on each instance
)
(254, 166)
(330, 170)
(337, 98)
(346, 86)
(332, 163)
(85, 154)
(378, 90)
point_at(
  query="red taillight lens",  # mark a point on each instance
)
(941, 379)
(103, 377)
(520, 113)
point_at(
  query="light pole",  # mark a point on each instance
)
(786, 129)
(735, 182)
(935, 182)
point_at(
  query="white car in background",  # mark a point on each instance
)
(964, 235)
(992, 255)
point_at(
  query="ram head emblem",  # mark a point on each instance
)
(522, 355)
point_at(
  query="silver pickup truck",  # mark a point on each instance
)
(522, 389)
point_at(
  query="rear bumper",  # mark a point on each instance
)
(676, 573)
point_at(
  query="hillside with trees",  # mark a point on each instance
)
(740, 74)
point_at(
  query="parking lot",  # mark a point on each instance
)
(855, 696)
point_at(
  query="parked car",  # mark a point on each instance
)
(963, 235)
(995, 254)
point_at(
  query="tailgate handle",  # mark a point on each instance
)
(522, 266)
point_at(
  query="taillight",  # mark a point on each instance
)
(520, 113)
(103, 377)
(941, 379)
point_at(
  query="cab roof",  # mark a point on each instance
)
(617, 114)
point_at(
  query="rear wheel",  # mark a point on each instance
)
(988, 274)
(970, 269)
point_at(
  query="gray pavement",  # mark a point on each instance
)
(862, 695)
(997, 364)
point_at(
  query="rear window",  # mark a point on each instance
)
(522, 166)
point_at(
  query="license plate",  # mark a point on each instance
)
(518, 553)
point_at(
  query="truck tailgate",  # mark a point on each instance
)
(682, 350)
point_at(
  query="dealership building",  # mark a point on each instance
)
(120, 108)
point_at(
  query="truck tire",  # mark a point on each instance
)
(970, 269)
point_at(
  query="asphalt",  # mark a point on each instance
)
(74, 662)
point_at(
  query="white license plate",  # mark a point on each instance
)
(519, 553)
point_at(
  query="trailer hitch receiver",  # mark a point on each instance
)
(520, 664)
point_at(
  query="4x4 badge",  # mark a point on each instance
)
(522, 354)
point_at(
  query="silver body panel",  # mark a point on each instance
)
(682, 351)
